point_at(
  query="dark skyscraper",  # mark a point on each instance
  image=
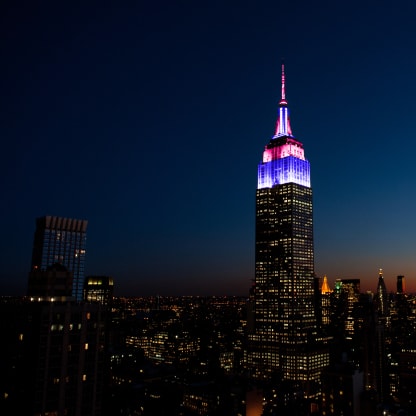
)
(401, 286)
(61, 241)
(284, 334)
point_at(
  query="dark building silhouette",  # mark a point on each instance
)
(407, 373)
(53, 283)
(382, 340)
(401, 285)
(283, 339)
(63, 241)
(53, 356)
(342, 386)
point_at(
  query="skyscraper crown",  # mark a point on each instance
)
(325, 286)
(283, 157)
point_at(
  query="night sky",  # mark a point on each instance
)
(148, 119)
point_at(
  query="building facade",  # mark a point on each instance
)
(61, 241)
(283, 338)
(53, 358)
(348, 292)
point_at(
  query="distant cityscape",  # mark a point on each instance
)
(189, 356)
(292, 346)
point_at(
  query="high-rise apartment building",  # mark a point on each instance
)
(284, 338)
(61, 241)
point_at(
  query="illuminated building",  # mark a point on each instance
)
(350, 288)
(163, 347)
(325, 302)
(201, 399)
(63, 241)
(206, 398)
(99, 289)
(325, 289)
(283, 335)
(226, 360)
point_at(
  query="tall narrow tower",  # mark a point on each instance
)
(381, 300)
(283, 339)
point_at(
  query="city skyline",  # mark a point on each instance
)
(148, 120)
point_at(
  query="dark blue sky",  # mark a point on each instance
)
(148, 119)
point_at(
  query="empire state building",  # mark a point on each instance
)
(283, 338)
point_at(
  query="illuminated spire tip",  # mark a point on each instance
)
(283, 99)
(325, 286)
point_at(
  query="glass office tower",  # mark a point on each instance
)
(61, 241)
(283, 338)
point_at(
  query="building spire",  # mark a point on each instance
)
(283, 122)
(283, 99)
(325, 286)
